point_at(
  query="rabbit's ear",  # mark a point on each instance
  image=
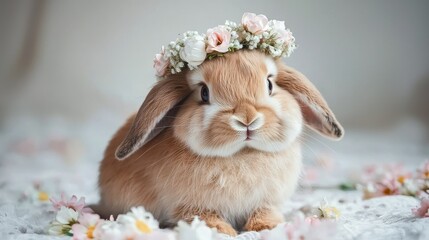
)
(156, 113)
(314, 108)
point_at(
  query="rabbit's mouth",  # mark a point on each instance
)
(249, 133)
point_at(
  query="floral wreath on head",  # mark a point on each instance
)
(254, 32)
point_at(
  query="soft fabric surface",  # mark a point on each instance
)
(56, 156)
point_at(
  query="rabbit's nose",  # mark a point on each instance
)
(240, 124)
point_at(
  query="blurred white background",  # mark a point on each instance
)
(79, 59)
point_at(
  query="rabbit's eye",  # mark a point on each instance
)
(270, 87)
(205, 96)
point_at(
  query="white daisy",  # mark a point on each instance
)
(138, 221)
(197, 230)
(64, 221)
(110, 230)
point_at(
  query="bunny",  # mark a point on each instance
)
(221, 142)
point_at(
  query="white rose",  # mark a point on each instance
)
(281, 32)
(194, 51)
(277, 25)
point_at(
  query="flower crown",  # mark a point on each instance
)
(254, 32)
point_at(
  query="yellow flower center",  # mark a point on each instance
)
(90, 232)
(387, 191)
(426, 174)
(330, 212)
(143, 227)
(401, 179)
(43, 196)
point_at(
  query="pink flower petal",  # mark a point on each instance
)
(74, 203)
(423, 210)
(79, 232)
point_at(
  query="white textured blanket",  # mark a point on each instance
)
(59, 157)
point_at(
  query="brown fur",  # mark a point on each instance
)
(308, 97)
(179, 162)
(263, 218)
(211, 218)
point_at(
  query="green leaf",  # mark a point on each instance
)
(347, 186)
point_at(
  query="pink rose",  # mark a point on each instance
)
(253, 23)
(281, 32)
(218, 39)
(161, 63)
